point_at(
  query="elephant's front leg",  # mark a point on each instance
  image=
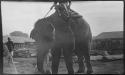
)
(42, 51)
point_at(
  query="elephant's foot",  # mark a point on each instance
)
(48, 72)
(89, 71)
(37, 72)
(40, 71)
(81, 71)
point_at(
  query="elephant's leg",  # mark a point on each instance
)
(56, 53)
(41, 54)
(40, 60)
(87, 59)
(67, 52)
(80, 53)
(88, 63)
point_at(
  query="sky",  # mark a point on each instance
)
(103, 16)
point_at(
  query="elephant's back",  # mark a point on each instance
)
(80, 28)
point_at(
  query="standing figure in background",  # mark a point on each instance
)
(7, 54)
(10, 46)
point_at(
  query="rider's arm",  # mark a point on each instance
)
(55, 3)
(69, 3)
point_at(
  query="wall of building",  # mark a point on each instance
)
(111, 45)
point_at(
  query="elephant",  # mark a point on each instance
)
(53, 33)
(67, 31)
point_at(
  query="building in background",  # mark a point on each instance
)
(109, 41)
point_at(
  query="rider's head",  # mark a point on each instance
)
(63, 9)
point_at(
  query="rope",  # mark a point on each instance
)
(47, 13)
(16, 72)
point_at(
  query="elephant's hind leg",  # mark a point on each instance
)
(87, 59)
(67, 52)
(80, 53)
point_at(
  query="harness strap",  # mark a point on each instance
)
(47, 13)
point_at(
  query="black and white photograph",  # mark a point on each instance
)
(62, 37)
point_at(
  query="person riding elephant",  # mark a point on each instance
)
(65, 3)
(61, 2)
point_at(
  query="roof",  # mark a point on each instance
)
(17, 39)
(107, 35)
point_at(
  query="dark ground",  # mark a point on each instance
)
(25, 66)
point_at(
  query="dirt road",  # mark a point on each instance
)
(26, 66)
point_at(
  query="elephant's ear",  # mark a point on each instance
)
(43, 31)
(33, 34)
(35, 30)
